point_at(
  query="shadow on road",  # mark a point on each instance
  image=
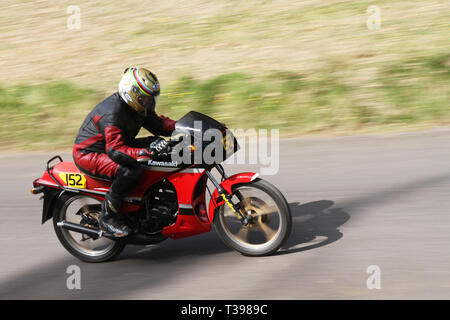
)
(140, 266)
(315, 224)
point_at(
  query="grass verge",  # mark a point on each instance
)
(335, 99)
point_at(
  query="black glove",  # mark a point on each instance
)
(158, 146)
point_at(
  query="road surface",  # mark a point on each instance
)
(357, 202)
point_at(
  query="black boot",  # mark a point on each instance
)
(125, 180)
(109, 220)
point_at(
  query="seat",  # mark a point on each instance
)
(64, 167)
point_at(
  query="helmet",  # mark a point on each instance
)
(139, 88)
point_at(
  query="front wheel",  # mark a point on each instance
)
(269, 216)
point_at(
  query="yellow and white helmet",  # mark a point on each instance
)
(139, 88)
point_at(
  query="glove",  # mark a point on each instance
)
(144, 155)
(158, 146)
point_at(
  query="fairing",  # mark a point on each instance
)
(216, 200)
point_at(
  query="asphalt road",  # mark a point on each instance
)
(356, 202)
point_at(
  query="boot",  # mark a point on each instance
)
(109, 220)
(125, 180)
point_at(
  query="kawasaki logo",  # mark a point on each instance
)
(163, 163)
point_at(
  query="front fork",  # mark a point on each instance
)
(240, 214)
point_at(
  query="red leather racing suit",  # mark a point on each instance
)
(107, 137)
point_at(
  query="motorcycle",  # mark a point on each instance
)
(249, 214)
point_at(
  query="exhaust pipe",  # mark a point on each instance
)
(94, 233)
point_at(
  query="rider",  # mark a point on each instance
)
(106, 146)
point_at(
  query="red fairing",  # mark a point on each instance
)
(197, 222)
(227, 184)
(185, 184)
(167, 123)
(114, 141)
(186, 226)
(149, 178)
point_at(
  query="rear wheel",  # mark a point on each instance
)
(269, 218)
(84, 210)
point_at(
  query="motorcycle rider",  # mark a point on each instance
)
(106, 147)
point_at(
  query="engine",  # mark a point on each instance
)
(161, 207)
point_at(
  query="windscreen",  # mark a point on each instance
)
(208, 135)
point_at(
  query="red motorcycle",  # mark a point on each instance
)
(249, 214)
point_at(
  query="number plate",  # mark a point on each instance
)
(74, 180)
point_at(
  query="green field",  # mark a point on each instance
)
(302, 67)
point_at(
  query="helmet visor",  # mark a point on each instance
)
(148, 102)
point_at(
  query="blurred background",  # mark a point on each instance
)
(305, 67)
(313, 69)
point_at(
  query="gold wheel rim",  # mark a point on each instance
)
(261, 215)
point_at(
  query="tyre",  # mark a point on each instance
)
(270, 220)
(84, 210)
